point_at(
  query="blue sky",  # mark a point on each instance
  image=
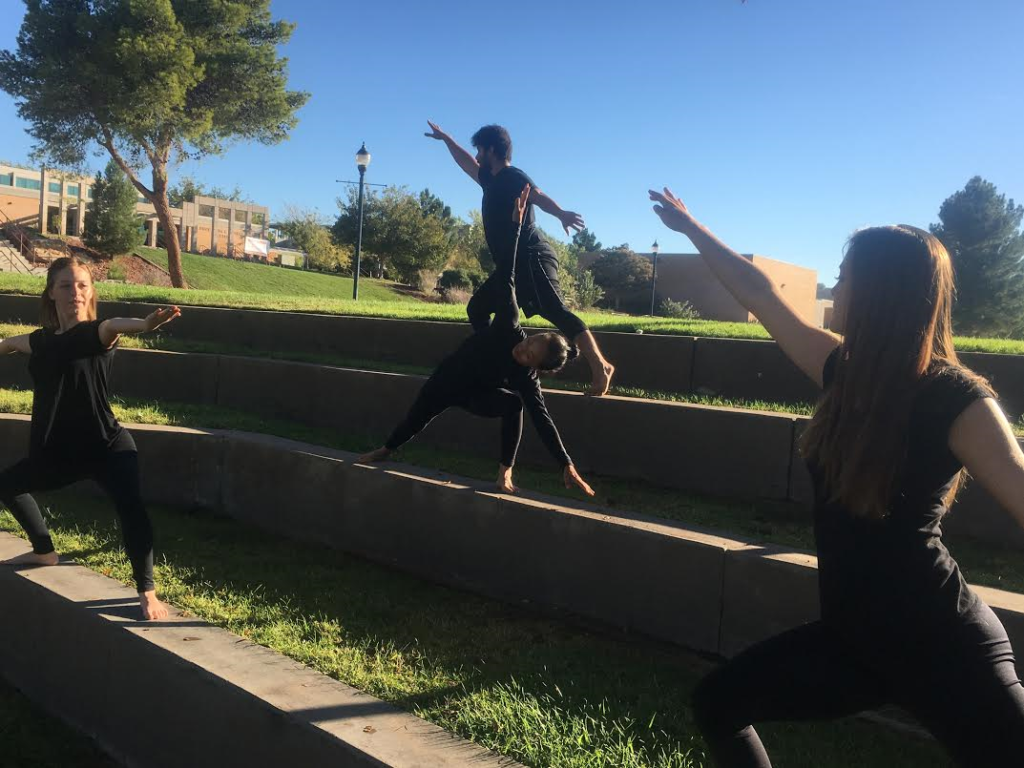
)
(784, 125)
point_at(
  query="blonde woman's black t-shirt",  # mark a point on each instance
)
(877, 573)
(70, 408)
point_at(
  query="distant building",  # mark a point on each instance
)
(685, 277)
(56, 202)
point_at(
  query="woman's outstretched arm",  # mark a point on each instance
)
(115, 326)
(981, 438)
(16, 344)
(802, 343)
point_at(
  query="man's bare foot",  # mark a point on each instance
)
(152, 608)
(32, 559)
(381, 454)
(602, 380)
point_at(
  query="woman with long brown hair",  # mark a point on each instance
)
(899, 421)
(74, 434)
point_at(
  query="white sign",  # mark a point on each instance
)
(255, 246)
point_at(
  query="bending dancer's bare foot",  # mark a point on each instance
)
(381, 454)
(152, 608)
(602, 380)
(504, 483)
(32, 559)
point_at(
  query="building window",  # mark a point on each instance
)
(7, 179)
(143, 199)
(257, 218)
(89, 192)
(55, 186)
(206, 210)
(222, 214)
(27, 183)
(73, 190)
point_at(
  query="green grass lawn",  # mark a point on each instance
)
(774, 522)
(208, 273)
(547, 693)
(30, 738)
(378, 299)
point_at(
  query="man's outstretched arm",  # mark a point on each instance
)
(465, 160)
(568, 219)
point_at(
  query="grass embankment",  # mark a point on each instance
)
(220, 282)
(283, 290)
(773, 522)
(544, 692)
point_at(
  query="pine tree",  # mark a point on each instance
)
(111, 224)
(982, 232)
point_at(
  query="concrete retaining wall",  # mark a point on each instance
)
(732, 368)
(718, 451)
(696, 588)
(182, 692)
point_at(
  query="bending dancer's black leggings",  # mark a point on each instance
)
(960, 684)
(538, 293)
(116, 472)
(434, 399)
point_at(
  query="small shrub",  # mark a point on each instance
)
(456, 278)
(455, 295)
(681, 310)
(588, 292)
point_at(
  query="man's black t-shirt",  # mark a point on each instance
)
(70, 408)
(500, 193)
(875, 575)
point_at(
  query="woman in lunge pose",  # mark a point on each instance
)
(494, 374)
(74, 434)
(899, 421)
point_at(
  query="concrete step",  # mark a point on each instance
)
(12, 261)
(81, 653)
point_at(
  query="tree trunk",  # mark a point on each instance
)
(163, 213)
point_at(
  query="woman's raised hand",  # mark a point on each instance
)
(161, 316)
(672, 211)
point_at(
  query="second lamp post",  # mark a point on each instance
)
(654, 275)
(362, 161)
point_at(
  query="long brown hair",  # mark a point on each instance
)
(48, 310)
(897, 332)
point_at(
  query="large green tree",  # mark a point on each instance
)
(309, 235)
(112, 226)
(981, 229)
(585, 241)
(148, 80)
(398, 235)
(624, 277)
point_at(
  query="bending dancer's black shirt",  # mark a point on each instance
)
(877, 575)
(70, 406)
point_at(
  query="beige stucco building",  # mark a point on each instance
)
(685, 277)
(58, 203)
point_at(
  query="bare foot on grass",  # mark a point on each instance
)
(152, 608)
(31, 559)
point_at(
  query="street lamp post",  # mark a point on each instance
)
(654, 275)
(362, 161)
